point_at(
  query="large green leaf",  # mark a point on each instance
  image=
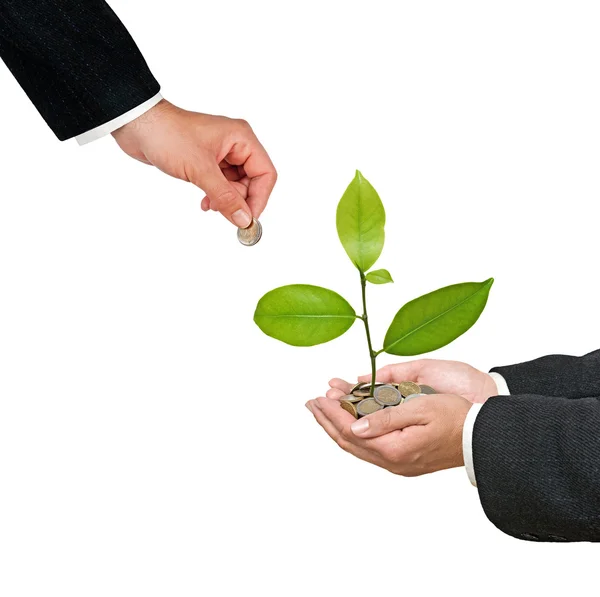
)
(303, 315)
(360, 221)
(379, 276)
(436, 319)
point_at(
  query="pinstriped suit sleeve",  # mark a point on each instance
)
(555, 375)
(537, 462)
(75, 60)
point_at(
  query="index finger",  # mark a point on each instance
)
(341, 384)
(263, 177)
(247, 151)
(259, 169)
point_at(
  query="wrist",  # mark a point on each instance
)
(135, 137)
(142, 124)
(488, 387)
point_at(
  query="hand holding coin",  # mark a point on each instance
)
(413, 422)
(251, 235)
(447, 377)
(222, 156)
(416, 437)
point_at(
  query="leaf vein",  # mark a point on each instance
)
(385, 348)
(309, 316)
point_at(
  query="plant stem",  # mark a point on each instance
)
(365, 318)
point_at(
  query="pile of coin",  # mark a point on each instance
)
(360, 402)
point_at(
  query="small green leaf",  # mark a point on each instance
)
(436, 319)
(303, 315)
(379, 276)
(360, 221)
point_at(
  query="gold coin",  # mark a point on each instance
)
(251, 235)
(351, 398)
(427, 390)
(349, 407)
(409, 387)
(387, 395)
(357, 386)
(362, 393)
(368, 406)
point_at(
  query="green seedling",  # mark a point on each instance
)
(305, 315)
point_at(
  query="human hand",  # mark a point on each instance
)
(448, 377)
(421, 436)
(220, 155)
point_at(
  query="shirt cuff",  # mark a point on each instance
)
(116, 123)
(502, 388)
(500, 384)
(468, 441)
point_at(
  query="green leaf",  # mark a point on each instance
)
(303, 315)
(360, 221)
(379, 276)
(436, 319)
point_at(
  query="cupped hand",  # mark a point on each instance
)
(220, 155)
(421, 436)
(447, 377)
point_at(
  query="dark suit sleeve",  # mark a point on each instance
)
(555, 375)
(537, 466)
(75, 60)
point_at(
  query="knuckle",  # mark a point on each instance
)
(392, 449)
(346, 434)
(395, 453)
(386, 419)
(225, 198)
(410, 466)
(414, 459)
(420, 364)
(389, 453)
(420, 406)
(243, 124)
(341, 442)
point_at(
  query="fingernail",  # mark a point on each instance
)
(308, 406)
(360, 426)
(241, 219)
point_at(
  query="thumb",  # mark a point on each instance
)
(224, 197)
(390, 419)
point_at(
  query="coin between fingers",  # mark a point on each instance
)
(251, 235)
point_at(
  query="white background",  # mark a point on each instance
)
(152, 440)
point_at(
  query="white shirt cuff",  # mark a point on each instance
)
(116, 123)
(468, 441)
(500, 384)
(502, 388)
